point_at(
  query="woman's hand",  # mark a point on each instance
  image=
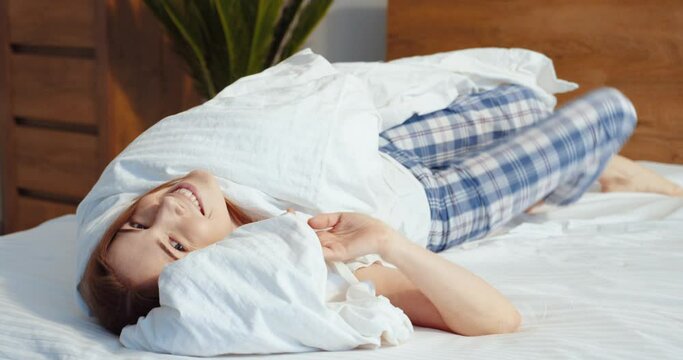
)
(345, 236)
(430, 289)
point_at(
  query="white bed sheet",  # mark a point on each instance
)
(601, 279)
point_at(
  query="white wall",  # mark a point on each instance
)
(352, 30)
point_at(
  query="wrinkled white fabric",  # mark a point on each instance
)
(300, 134)
(262, 290)
(304, 134)
(422, 84)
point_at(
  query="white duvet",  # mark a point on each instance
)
(301, 134)
(262, 290)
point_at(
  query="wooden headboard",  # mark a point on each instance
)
(633, 45)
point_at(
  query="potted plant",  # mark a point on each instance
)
(224, 40)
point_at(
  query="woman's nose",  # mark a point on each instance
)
(171, 207)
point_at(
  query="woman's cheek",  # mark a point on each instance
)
(213, 232)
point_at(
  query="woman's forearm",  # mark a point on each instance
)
(463, 302)
(467, 304)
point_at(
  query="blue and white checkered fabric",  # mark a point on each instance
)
(489, 156)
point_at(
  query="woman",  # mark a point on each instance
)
(483, 160)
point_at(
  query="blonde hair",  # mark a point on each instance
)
(113, 303)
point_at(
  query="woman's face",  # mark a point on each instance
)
(166, 225)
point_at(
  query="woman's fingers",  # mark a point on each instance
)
(333, 251)
(325, 236)
(328, 254)
(325, 220)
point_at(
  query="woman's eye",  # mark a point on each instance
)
(137, 225)
(178, 246)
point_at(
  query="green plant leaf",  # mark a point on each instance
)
(196, 49)
(235, 16)
(289, 10)
(267, 16)
(223, 40)
(180, 45)
(209, 30)
(171, 14)
(307, 18)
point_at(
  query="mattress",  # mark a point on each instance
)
(601, 279)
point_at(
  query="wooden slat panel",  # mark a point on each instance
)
(50, 22)
(55, 162)
(6, 130)
(658, 147)
(606, 31)
(32, 212)
(635, 46)
(145, 78)
(53, 88)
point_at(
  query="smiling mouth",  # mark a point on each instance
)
(190, 193)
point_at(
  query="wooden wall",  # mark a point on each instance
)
(79, 80)
(633, 45)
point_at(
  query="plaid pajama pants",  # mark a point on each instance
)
(489, 156)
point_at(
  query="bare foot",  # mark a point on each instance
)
(534, 207)
(624, 175)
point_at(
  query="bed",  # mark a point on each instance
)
(599, 279)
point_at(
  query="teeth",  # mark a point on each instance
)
(190, 195)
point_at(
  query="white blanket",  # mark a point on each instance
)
(422, 84)
(262, 290)
(284, 137)
(301, 134)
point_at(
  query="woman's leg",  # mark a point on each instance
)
(556, 160)
(469, 123)
(625, 175)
